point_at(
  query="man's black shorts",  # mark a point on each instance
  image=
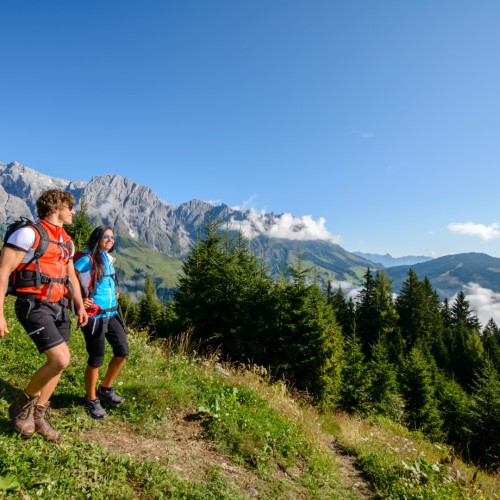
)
(47, 323)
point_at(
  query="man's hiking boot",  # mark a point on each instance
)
(21, 414)
(42, 426)
(93, 406)
(108, 395)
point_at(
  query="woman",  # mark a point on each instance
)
(97, 278)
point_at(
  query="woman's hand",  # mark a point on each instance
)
(88, 303)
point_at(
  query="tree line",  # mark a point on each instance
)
(425, 363)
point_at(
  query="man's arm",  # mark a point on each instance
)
(77, 295)
(9, 260)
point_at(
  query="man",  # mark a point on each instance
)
(41, 306)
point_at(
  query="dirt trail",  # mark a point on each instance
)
(350, 471)
(185, 449)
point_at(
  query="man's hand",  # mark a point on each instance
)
(3, 326)
(83, 318)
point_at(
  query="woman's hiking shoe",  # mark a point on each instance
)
(42, 426)
(108, 395)
(93, 406)
(21, 414)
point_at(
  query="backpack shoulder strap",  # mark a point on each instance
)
(79, 255)
(44, 240)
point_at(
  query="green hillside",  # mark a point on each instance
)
(328, 261)
(448, 274)
(136, 261)
(194, 428)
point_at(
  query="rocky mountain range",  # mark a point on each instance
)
(154, 236)
(138, 215)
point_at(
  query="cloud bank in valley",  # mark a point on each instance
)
(472, 229)
(285, 226)
(484, 302)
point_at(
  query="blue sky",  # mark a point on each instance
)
(377, 122)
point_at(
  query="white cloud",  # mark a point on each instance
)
(350, 290)
(472, 229)
(286, 226)
(106, 208)
(484, 302)
(363, 134)
(247, 204)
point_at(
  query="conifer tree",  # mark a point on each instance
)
(149, 309)
(409, 307)
(466, 346)
(432, 327)
(419, 394)
(454, 406)
(387, 316)
(485, 444)
(129, 310)
(81, 228)
(366, 313)
(355, 377)
(309, 351)
(224, 297)
(341, 309)
(384, 391)
(491, 342)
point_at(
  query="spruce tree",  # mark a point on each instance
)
(309, 351)
(366, 313)
(149, 309)
(467, 348)
(355, 377)
(455, 407)
(340, 308)
(384, 391)
(491, 342)
(485, 444)
(419, 393)
(387, 316)
(81, 228)
(223, 297)
(409, 305)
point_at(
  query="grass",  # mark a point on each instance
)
(192, 427)
(403, 464)
(245, 446)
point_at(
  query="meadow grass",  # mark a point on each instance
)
(237, 422)
(194, 427)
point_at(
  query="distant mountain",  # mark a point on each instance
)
(450, 273)
(388, 260)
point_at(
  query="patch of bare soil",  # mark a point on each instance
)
(183, 449)
(186, 451)
(350, 471)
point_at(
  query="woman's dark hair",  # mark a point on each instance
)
(93, 246)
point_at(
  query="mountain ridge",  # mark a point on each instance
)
(136, 212)
(387, 260)
(163, 235)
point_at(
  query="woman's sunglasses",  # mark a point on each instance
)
(108, 237)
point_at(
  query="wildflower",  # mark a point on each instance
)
(435, 467)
